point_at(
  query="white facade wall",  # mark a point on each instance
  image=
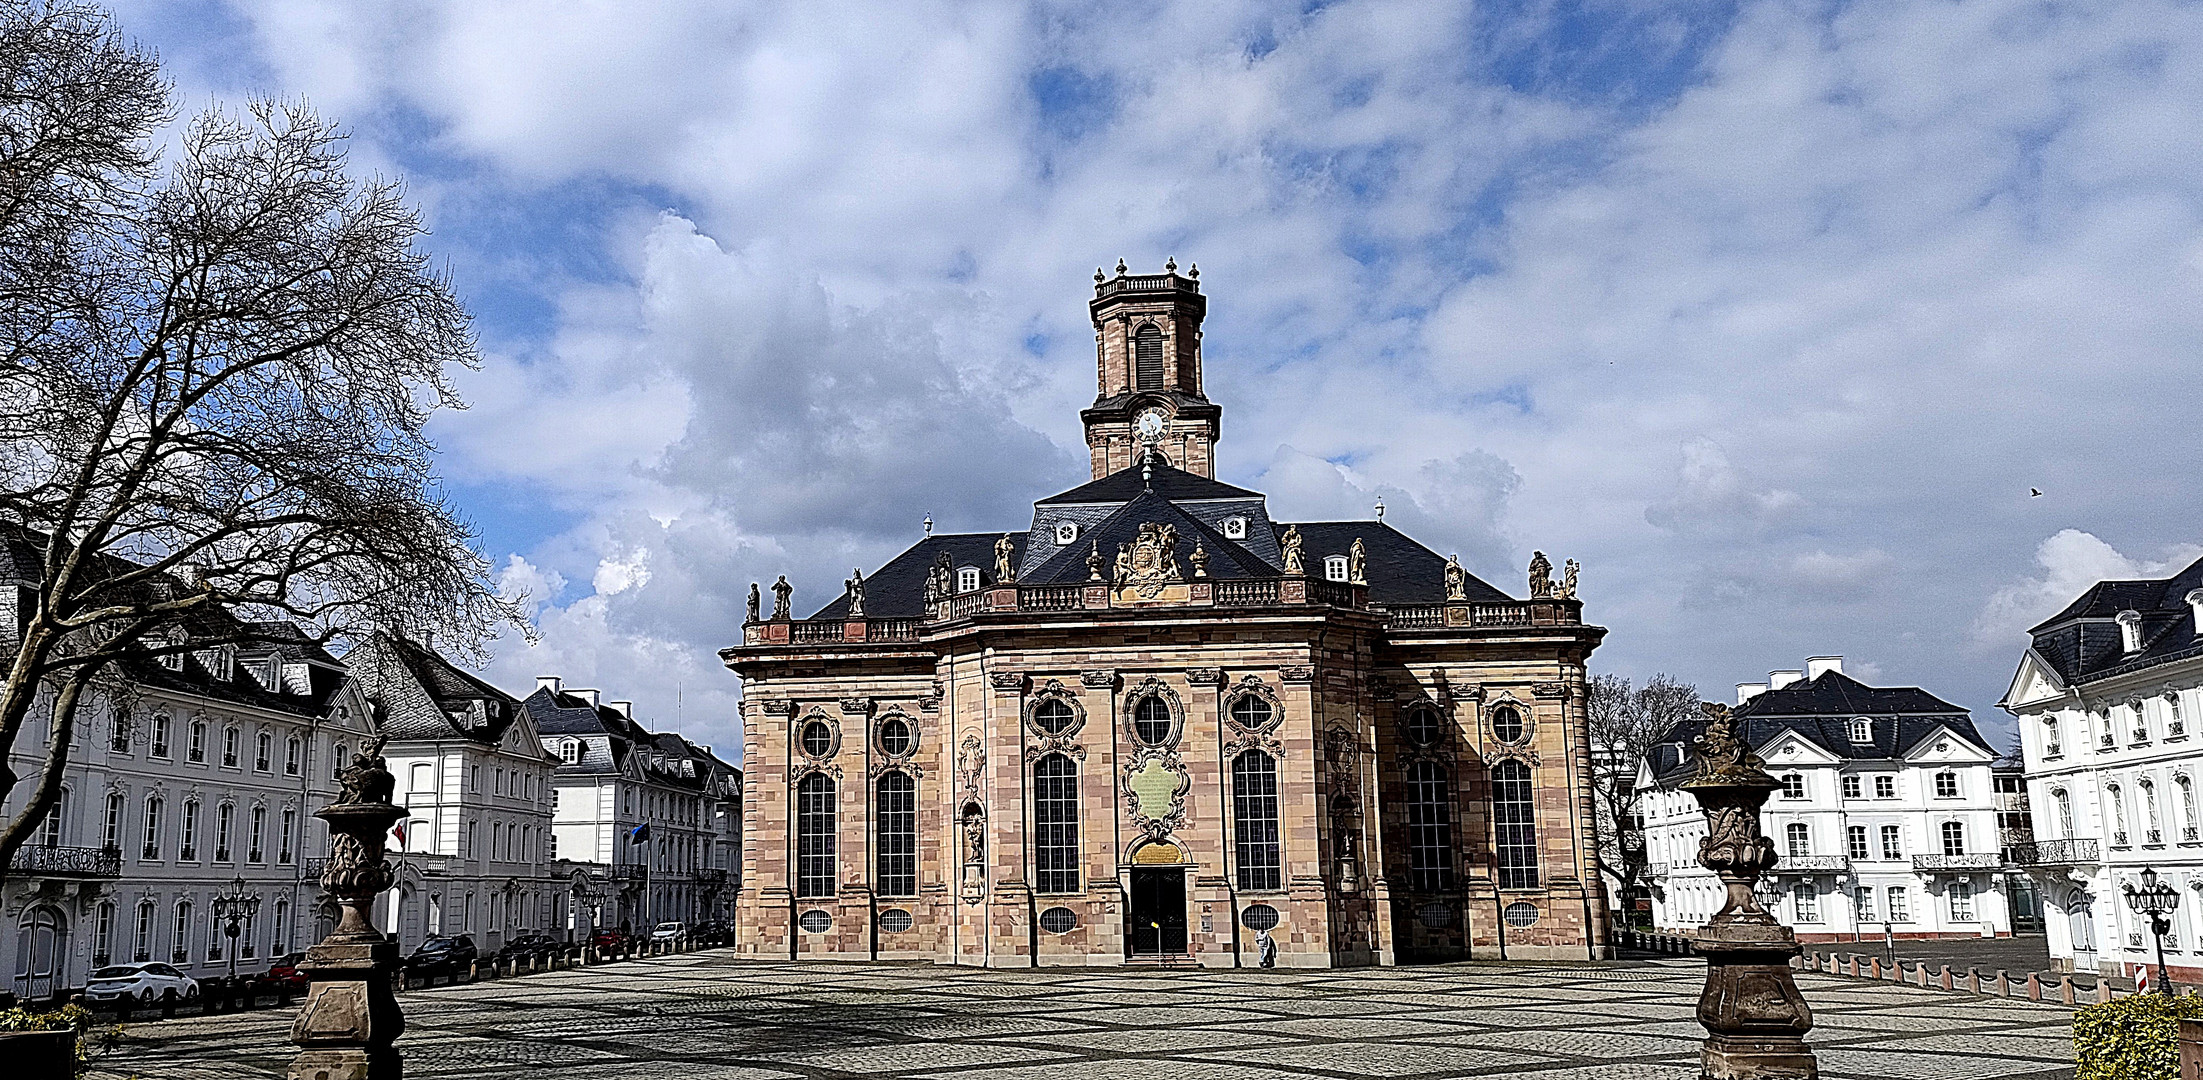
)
(475, 859)
(593, 817)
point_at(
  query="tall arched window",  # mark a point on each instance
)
(2065, 812)
(142, 949)
(152, 848)
(2187, 805)
(1147, 357)
(180, 948)
(815, 836)
(103, 933)
(1254, 821)
(1055, 825)
(2152, 819)
(1514, 821)
(1800, 838)
(1429, 827)
(1954, 838)
(2118, 815)
(897, 821)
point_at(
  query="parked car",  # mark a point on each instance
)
(528, 947)
(667, 932)
(284, 970)
(443, 954)
(608, 939)
(140, 984)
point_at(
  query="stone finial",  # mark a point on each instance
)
(1094, 563)
(1200, 559)
(1120, 267)
(1098, 279)
(1170, 265)
(1194, 271)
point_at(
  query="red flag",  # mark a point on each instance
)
(399, 829)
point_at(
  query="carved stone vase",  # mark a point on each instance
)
(350, 1020)
(1755, 1019)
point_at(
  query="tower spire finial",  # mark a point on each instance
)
(1170, 265)
(1120, 267)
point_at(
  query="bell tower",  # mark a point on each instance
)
(1147, 351)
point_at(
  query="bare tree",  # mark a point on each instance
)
(1625, 722)
(217, 378)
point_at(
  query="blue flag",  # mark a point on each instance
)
(640, 834)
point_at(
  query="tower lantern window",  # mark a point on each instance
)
(1147, 357)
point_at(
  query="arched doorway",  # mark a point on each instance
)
(42, 947)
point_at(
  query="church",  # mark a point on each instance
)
(1156, 726)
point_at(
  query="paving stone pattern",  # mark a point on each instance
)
(712, 1016)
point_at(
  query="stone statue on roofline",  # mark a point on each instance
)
(1457, 579)
(1541, 576)
(1094, 563)
(751, 615)
(855, 585)
(1290, 544)
(1005, 560)
(1356, 563)
(781, 592)
(1567, 589)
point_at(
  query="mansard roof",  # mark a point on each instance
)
(418, 694)
(1399, 569)
(1227, 561)
(1170, 482)
(898, 589)
(1820, 710)
(2084, 642)
(613, 744)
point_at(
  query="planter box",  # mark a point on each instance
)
(39, 1055)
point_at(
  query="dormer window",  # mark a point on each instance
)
(2130, 631)
(1067, 532)
(967, 579)
(1235, 527)
(569, 751)
(1862, 730)
(1334, 568)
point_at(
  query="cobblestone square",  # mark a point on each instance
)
(714, 1017)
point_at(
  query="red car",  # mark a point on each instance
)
(609, 940)
(285, 970)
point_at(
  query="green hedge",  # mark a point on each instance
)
(2131, 1038)
(91, 1041)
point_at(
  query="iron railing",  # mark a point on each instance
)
(1813, 864)
(68, 861)
(2053, 853)
(1977, 860)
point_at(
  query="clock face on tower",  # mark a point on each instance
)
(1149, 424)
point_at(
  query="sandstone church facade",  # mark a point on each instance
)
(1155, 722)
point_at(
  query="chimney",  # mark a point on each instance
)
(1817, 666)
(1776, 680)
(547, 682)
(624, 708)
(589, 696)
(1746, 691)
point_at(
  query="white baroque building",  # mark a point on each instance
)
(2107, 696)
(473, 857)
(614, 777)
(1886, 821)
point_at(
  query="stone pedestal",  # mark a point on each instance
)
(350, 1018)
(1755, 1018)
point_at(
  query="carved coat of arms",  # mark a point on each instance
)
(1150, 562)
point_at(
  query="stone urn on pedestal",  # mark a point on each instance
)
(1755, 1019)
(350, 1020)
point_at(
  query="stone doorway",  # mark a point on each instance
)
(1157, 912)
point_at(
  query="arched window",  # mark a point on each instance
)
(1514, 820)
(569, 751)
(1800, 838)
(225, 816)
(292, 751)
(119, 734)
(1254, 821)
(1147, 357)
(1056, 824)
(160, 735)
(2152, 819)
(231, 740)
(1429, 827)
(103, 933)
(152, 848)
(263, 752)
(1954, 838)
(2187, 805)
(283, 840)
(1151, 720)
(141, 950)
(1862, 730)
(897, 821)
(2065, 812)
(114, 821)
(337, 762)
(196, 749)
(49, 830)
(815, 836)
(2118, 814)
(1424, 727)
(259, 834)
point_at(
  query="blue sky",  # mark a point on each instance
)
(1769, 313)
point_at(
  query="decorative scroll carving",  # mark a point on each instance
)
(1150, 562)
(971, 768)
(1550, 691)
(1006, 681)
(1204, 676)
(1250, 686)
(1098, 680)
(1156, 780)
(800, 769)
(778, 707)
(1296, 674)
(1155, 688)
(856, 706)
(1054, 692)
(1264, 741)
(833, 724)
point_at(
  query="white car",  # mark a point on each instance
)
(668, 931)
(142, 984)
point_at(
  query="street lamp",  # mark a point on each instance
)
(2158, 901)
(236, 907)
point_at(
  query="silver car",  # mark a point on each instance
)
(141, 984)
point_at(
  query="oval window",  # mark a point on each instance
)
(1054, 715)
(1507, 723)
(816, 921)
(1259, 917)
(817, 738)
(894, 736)
(1424, 728)
(1520, 914)
(1059, 920)
(1251, 712)
(893, 920)
(1435, 915)
(1151, 720)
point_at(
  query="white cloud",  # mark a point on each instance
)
(2069, 562)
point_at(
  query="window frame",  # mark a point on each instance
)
(1055, 787)
(1514, 826)
(817, 818)
(895, 825)
(1258, 844)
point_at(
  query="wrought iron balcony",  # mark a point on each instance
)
(1979, 860)
(1813, 864)
(628, 871)
(67, 861)
(2054, 853)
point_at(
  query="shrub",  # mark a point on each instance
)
(91, 1041)
(2131, 1038)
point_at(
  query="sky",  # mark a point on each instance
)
(1773, 315)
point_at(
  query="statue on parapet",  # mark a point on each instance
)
(1290, 545)
(1356, 563)
(1567, 588)
(1005, 561)
(1541, 576)
(781, 592)
(751, 615)
(1457, 579)
(855, 585)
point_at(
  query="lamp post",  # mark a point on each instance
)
(2158, 901)
(235, 907)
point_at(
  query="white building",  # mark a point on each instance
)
(473, 856)
(614, 778)
(2107, 696)
(188, 777)
(1886, 820)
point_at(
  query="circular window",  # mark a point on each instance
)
(1059, 920)
(1151, 721)
(1259, 917)
(894, 736)
(1251, 712)
(818, 739)
(893, 920)
(1435, 915)
(1507, 723)
(1424, 727)
(1054, 716)
(1520, 914)
(816, 921)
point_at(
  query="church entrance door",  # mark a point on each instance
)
(1158, 911)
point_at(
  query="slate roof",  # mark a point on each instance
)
(898, 589)
(1820, 710)
(1399, 570)
(1228, 561)
(610, 741)
(1172, 483)
(2084, 642)
(417, 694)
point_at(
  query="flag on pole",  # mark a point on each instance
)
(640, 834)
(399, 829)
